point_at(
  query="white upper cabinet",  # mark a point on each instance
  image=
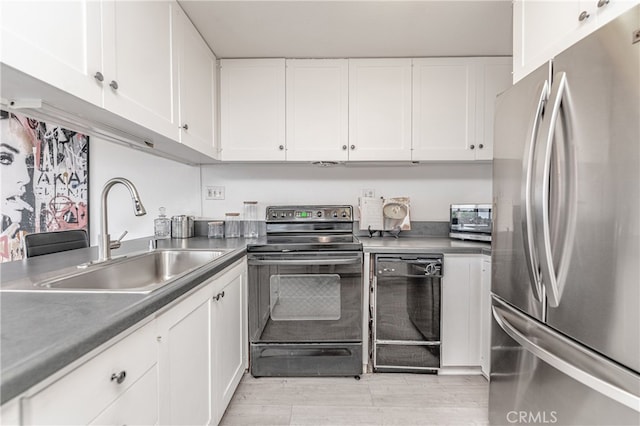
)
(444, 106)
(140, 73)
(493, 78)
(197, 87)
(380, 109)
(252, 109)
(317, 107)
(542, 29)
(57, 42)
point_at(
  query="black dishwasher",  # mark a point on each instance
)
(405, 307)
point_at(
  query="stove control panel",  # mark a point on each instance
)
(309, 214)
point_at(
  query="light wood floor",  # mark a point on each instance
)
(376, 399)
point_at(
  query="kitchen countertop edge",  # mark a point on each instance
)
(426, 245)
(20, 373)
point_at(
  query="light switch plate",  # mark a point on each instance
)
(214, 193)
(368, 192)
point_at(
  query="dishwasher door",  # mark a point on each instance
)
(406, 299)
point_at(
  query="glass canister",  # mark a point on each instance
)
(250, 224)
(232, 225)
(216, 229)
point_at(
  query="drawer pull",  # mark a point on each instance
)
(119, 378)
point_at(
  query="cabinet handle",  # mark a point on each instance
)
(185, 126)
(481, 146)
(98, 76)
(344, 147)
(472, 147)
(602, 3)
(119, 378)
(583, 16)
(222, 294)
(113, 85)
(353, 147)
(281, 147)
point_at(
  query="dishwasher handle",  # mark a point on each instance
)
(408, 267)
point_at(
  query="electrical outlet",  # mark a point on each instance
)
(214, 193)
(368, 192)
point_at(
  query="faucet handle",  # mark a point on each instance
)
(117, 243)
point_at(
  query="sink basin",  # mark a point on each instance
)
(141, 273)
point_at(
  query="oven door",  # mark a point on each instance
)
(305, 297)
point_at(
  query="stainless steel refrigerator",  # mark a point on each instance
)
(565, 343)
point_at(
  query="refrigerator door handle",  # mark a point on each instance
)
(574, 360)
(555, 250)
(528, 228)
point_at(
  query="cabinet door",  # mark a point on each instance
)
(197, 94)
(185, 361)
(229, 335)
(85, 392)
(461, 311)
(317, 109)
(444, 103)
(56, 42)
(493, 77)
(541, 29)
(252, 109)
(485, 316)
(137, 406)
(380, 109)
(139, 68)
(611, 9)
(10, 412)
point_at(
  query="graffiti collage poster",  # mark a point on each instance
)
(45, 180)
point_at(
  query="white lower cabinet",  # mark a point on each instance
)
(180, 368)
(184, 349)
(461, 311)
(485, 316)
(137, 406)
(112, 377)
(202, 350)
(10, 412)
(229, 336)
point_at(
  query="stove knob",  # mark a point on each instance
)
(274, 215)
(319, 214)
(282, 214)
(344, 214)
(335, 214)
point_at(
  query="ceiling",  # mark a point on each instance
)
(339, 29)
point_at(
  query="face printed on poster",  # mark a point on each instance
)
(44, 180)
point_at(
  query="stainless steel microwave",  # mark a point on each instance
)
(470, 222)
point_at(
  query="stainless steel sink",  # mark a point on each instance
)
(141, 273)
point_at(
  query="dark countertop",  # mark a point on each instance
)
(446, 245)
(41, 332)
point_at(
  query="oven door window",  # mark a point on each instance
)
(305, 297)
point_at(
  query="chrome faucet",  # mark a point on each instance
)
(105, 243)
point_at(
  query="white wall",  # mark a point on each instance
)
(432, 187)
(160, 182)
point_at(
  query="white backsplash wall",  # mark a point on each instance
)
(431, 187)
(160, 182)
